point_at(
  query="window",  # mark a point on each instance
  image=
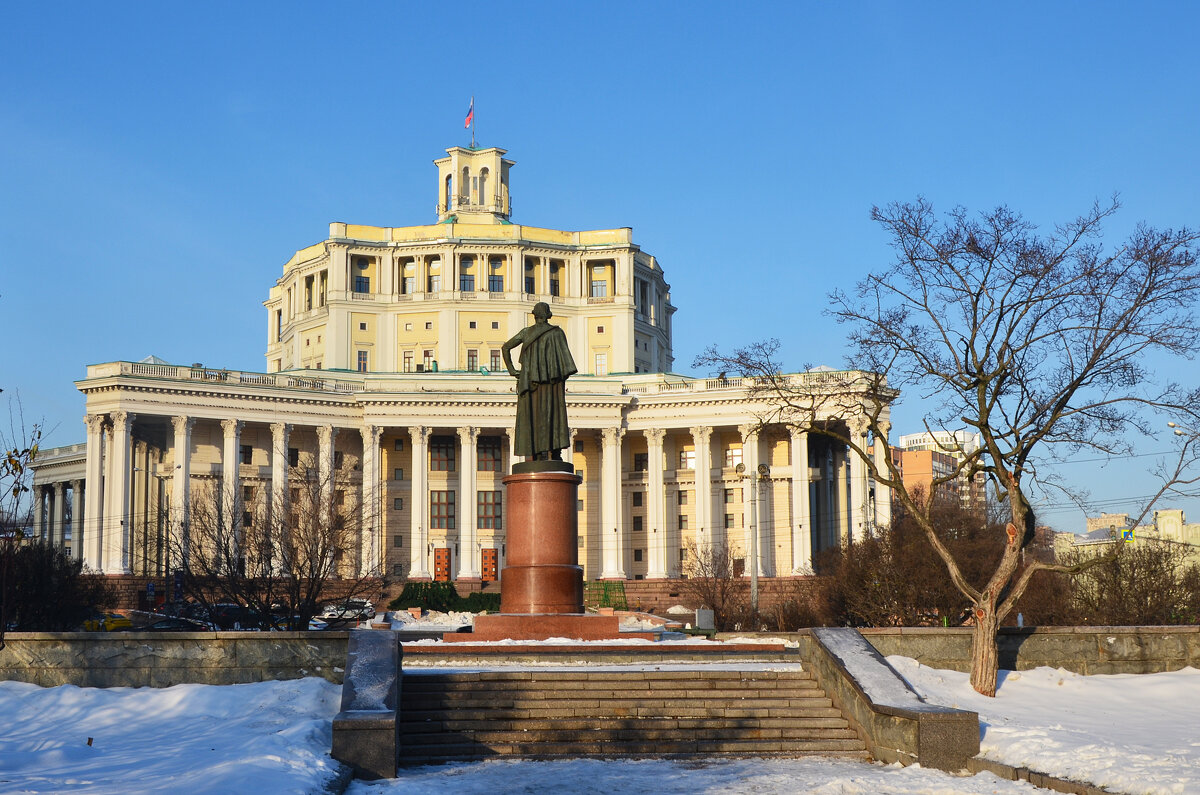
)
(488, 454)
(728, 520)
(733, 456)
(471, 324)
(362, 284)
(339, 498)
(472, 360)
(728, 496)
(637, 499)
(683, 554)
(441, 453)
(434, 284)
(466, 279)
(494, 360)
(399, 570)
(362, 326)
(398, 473)
(489, 511)
(683, 497)
(601, 364)
(408, 326)
(495, 325)
(641, 462)
(337, 459)
(397, 505)
(687, 459)
(247, 518)
(599, 329)
(399, 445)
(579, 505)
(429, 325)
(496, 282)
(683, 522)
(529, 285)
(247, 453)
(410, 285)
(397, 541)
(599, 288)
(293, 457)
(362, 361)
(637, 524)
(278, 324)
(427, 356)
(408, 361)
(637, 556)
(441, 510)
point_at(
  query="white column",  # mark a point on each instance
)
(89, 530)
(115, 555)
(231, 472)
(657, 548)
(181, 484)
(278, 508)
(372, 543)
(883, 493)
(571, 448)
(706, 533)
(76, 519)
(326, 434)
(612, 544)
(468, 555)
(858, 482)
(56, 523)
(418, 566)
(752, 526)
(39, 507)
(801, 511)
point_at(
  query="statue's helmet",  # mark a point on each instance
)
(542, 310)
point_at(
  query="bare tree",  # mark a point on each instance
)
(1042, 343)
(18, 449)
(289, 556)
(713, 579)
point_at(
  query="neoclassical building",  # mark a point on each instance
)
(383, 374)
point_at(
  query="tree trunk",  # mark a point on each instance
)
(985, 656)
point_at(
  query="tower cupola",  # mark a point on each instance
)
(473, 186)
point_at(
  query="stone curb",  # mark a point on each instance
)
(1044, 780)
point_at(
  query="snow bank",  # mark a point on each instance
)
(1134, 733)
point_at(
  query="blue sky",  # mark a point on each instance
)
(160, 162)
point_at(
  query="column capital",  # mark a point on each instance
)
(94, 422)
(468, 434)
(76, 484)
(281, 429)
(121, 420)
(325, 434)
(858, 425)
(885, 428)
(59, 486)
(701, 433)
(232, 426)
(655, 436)
(612, 435)
(749, 432)
(183, 424)
(420, 432)
(370, 434)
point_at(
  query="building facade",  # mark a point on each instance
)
(384, 377)
(925, 457)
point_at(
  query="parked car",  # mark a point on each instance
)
(234, 616)
(349, 610)
(106, 622)
(175, 624)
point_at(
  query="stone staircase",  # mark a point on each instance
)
(552, 713)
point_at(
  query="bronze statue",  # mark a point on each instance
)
(546, 364)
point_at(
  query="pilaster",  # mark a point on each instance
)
(659, 563)
(418, 566)
(706, 533)
(181, 485)
(90, 529)
(468, 533)
(76, 519)
(801, 510)
(612, 541)
(115, 554)
(372, 543)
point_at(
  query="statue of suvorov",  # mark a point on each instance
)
(546, 363)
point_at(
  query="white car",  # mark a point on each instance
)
(350, 609)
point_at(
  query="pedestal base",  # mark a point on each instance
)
(543, 627)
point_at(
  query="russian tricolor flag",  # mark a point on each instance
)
(470, 114)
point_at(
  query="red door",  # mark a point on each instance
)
(441, 564)
(489, 565)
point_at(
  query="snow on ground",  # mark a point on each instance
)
(665, 777)
(267, 737)
(1133, 733)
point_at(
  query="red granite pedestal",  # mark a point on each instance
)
(541, 587)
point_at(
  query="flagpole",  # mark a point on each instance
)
(472, 121)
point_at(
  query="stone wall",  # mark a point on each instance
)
(1084, 650)
(159, 659)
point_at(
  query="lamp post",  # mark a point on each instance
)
(755, 477)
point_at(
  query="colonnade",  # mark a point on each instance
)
(812, 498)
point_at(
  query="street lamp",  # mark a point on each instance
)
(759, 474)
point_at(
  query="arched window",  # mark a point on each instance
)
(464, 187)
(483, 195)
(449, 192)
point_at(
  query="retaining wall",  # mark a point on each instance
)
(160, 659)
